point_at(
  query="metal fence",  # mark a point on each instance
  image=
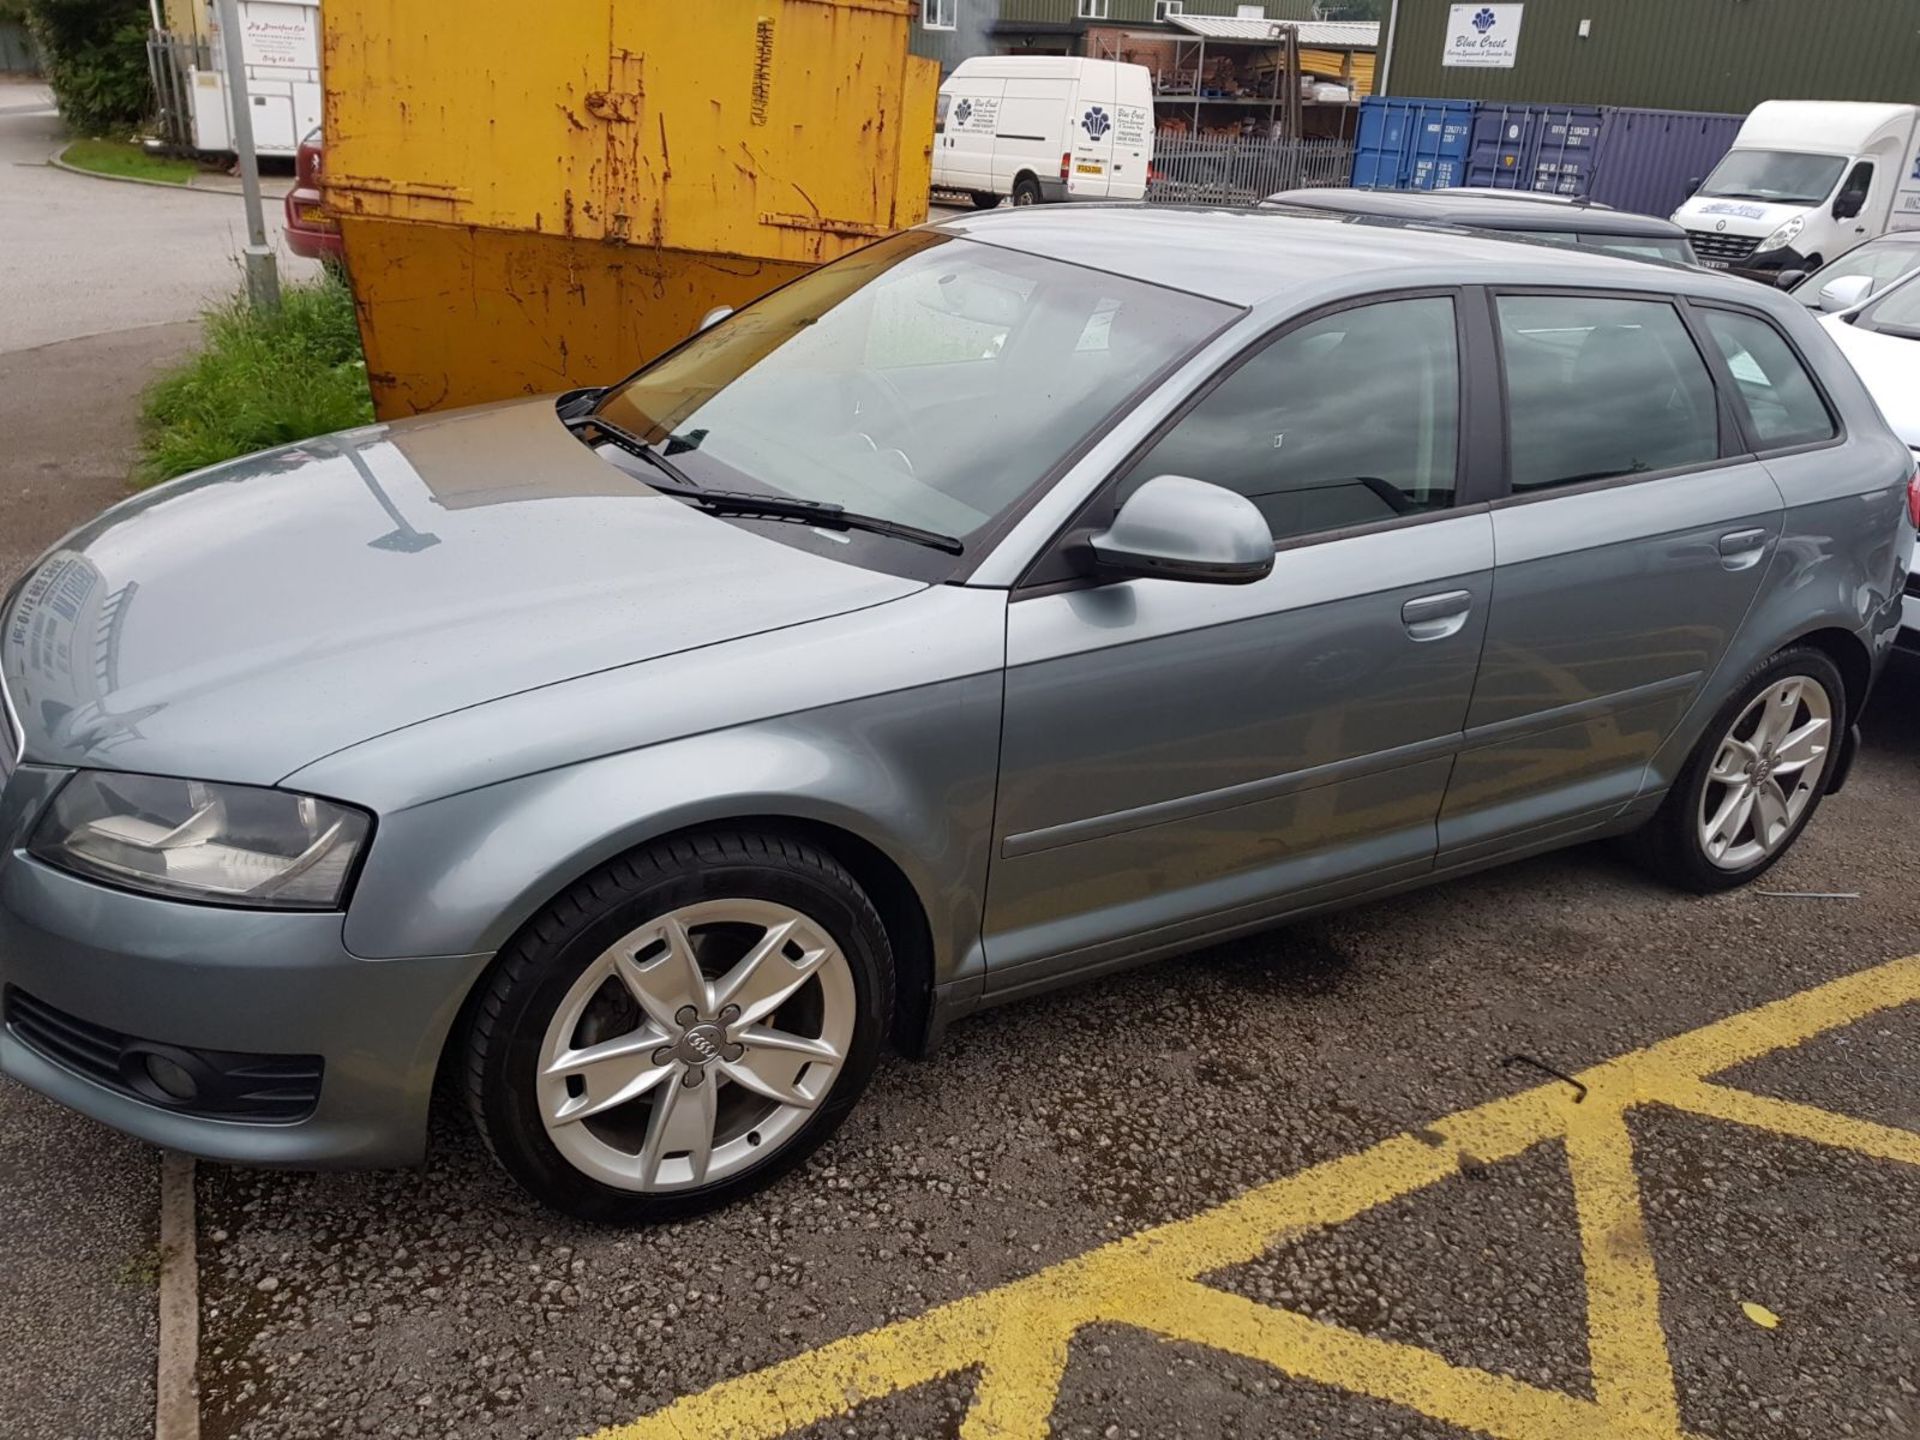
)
(1197, 169)
(169, 59)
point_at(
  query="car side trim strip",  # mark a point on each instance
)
(1250, 792)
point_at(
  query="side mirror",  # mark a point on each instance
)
(1845, 293)
(713, 317)
(1787, 279)
(1693, 185)
(1174, 528)
(1847, 204)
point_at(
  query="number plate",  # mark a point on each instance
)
(1087, 169)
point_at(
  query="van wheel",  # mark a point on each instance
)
(984, 200)
(1755, 779)
(681, 1027)
(1026, 191)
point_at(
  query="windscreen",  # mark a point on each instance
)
(926, 379)
(1779, 177)
(1880, 261)
(1897, 312)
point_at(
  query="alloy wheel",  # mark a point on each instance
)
(696, 1045)
(1766, 771)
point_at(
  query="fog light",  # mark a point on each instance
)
(170, 1079)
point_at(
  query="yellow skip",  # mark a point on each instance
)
(1018, 1334)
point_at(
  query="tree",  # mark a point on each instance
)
(95, 53)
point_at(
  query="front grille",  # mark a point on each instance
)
(1712, 245)
(227, 1084)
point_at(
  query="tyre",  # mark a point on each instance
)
(1755, 779)
(984, 200)
(1026, 191)
(681, 1027)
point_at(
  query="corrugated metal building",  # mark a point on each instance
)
(952, 30)
(1674, 54)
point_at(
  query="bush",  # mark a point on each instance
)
(263, 379)
(95, 55)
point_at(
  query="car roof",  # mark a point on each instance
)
(1253, 255)
(1486, 210)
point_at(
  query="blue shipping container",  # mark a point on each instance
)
(1405, 144)
(1534, 147)
(1652, 160)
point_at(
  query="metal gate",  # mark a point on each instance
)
(170, 58)
(1199, 170)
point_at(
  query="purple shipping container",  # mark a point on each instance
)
(1650, 160)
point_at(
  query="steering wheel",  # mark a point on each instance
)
(872, 397)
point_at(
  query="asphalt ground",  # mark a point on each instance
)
(1491, 1294)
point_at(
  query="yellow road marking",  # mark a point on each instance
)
(1017, 1335)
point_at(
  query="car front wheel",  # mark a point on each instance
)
(681, 1027)
(1755, 779)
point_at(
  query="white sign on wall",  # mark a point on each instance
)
(280, 37)
(1483, 35)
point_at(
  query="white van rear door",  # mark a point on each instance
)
(1132, 133)
(1090, 133)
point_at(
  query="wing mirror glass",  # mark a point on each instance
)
(1845, 293)
(1177, 528)
(713, 317)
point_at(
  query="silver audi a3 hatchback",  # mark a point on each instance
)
(1023, 596)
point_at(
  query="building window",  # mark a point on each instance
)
(1166, 9)
(1093, 9)
(937, 14)
(1249, 12)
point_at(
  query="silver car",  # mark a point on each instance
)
(1019, 598)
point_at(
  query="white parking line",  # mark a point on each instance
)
(176, 1392)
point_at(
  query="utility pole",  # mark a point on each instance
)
(263, 276)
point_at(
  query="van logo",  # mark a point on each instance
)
(1096, 122)
(1721, 226)
(1483, 21)
(963, 112)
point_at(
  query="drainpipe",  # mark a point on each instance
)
(1386, 50)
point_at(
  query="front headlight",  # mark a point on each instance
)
(190, 839)
(1784, 236)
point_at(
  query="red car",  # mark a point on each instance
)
(311, 229)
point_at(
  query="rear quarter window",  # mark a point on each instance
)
(1783, 404)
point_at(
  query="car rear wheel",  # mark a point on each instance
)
(1026, 191)
(1755, 779)
(984, 200)
(680, 1028)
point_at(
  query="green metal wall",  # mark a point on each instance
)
(1726, 55)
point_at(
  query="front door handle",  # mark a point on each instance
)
(1742, 549)
(1435, 617)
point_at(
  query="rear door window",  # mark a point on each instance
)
(1783, 403)
(1601, 386)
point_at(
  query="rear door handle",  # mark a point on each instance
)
(1435, 617)
(1741, 549)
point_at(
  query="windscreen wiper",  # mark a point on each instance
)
(759, 507)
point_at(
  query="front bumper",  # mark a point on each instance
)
(1767, 266)
(206, 978)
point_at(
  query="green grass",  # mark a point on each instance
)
(124, 158)
(262, 379)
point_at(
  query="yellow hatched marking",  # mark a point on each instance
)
(1018, 1335)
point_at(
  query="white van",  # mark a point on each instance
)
(1805, 182)
(1044, 127)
